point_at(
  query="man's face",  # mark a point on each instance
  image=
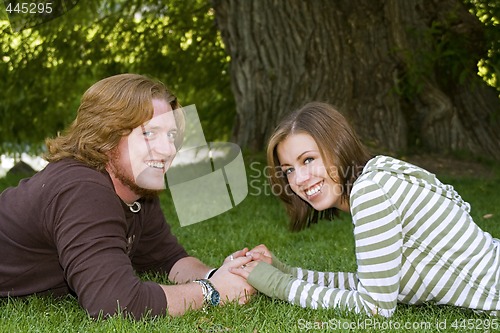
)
(143, 157)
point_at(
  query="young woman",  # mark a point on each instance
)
(415, 240)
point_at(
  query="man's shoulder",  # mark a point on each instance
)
(68, 170)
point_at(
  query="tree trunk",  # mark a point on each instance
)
(403, 72)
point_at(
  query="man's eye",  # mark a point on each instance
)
(172, 135)
(148, 134)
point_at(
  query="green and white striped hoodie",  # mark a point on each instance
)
(415, 242)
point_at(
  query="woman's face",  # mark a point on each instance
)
(301, 162)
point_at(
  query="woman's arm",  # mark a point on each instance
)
(378, 240)
(342, 280)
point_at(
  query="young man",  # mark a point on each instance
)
(92, 218)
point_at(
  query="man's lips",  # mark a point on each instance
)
(156, 164)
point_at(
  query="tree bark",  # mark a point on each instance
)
(403, 72)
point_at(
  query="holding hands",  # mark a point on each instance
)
(230, 286)
(231, 279)
(260, 253)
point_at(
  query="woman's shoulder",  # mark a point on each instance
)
(387, 172)
(382, 163)
(385, 162)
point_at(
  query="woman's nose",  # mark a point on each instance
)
(301, 175)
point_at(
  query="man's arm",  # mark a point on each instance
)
(189, 296)
(188, 269)
(183, 297)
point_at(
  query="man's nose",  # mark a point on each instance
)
(166, 146)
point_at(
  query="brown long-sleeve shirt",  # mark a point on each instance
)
(65, 230)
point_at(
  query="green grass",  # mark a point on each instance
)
(260, 218)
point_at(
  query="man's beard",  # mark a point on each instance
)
(130, 183)
(127, 180)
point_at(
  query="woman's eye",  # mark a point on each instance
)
(308, 160)
(288, 171)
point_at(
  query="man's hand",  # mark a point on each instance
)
(230, 286)
(257, 254)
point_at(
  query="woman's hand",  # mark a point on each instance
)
(237, 254)
(257, 254)
(260, 253)
(244, 270)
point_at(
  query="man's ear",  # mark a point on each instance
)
(110, 154)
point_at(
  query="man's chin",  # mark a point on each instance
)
(144, 192)
(140, 191)
(148, 194)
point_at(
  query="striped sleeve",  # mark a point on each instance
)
(342, 280)
(277, 284)
(378, 238)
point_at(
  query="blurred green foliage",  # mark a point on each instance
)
(488, 12)
(46, 68)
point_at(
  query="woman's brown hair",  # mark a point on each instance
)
(343, 153)
(109, 110)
